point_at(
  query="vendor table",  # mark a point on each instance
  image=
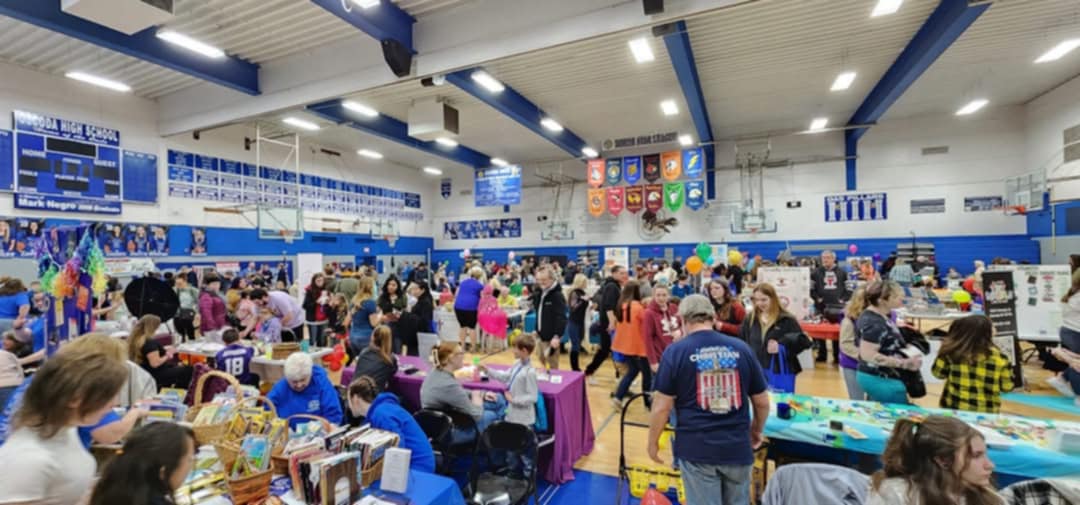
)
(269, 370)
(567, 406)
(1017, 445)
(940, 319)
(424, 489)
(821, 331)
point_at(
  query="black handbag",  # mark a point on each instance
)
(912, 379)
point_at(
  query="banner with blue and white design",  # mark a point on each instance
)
(693, 162)
(695, 194)
(856, 207)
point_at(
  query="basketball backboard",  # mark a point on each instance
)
(1026, 191)
(280, 223)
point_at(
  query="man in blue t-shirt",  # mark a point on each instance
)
(235, 359)
(711, 380)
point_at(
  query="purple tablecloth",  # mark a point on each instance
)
(567, 407)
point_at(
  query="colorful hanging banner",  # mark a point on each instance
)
(671, 165)
(596, 173)
(673, 195)
(635, 198)
(631, 169)
(695, 194)
(693, 162)
(615, 200)
(654, 197)
(596, 202)
(614, 171)
(652, 167)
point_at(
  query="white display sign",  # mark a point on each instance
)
(617, 256)
(1039, 290)
(119, 267)
(307, 265)
(792, 287)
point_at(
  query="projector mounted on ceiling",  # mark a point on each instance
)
(432, 119)
(126, 16)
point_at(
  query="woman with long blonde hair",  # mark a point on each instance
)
(364, 314)
(769, 326)
(849, 345)
(155, 358)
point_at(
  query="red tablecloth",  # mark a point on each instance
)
(821, 331)
(567, 405)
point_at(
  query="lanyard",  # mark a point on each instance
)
(514, 375)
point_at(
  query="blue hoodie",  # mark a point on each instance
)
(386, 414)
(318, 398)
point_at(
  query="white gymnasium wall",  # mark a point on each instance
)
(983, 150)
(1047, 118)
(137, 121)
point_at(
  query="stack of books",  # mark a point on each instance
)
(330, 469)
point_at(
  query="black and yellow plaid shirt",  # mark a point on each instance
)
(977, 386)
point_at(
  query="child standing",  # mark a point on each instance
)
(235, 359)
(522, 389)
(975, 371)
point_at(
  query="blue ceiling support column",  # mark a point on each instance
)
(682, 59)
(948, 21)
(231, 72)
(391, 129)
(518, 108)
(382, 22)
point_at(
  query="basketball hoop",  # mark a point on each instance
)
(1016, 210)
(753, 232)
(287, 236)
(390, 240)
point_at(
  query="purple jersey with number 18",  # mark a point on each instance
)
(235, 360)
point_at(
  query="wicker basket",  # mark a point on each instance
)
(207, 433)
(281, 463)
(283, 350)
(250, 490)
(228, 446)
(371, 474)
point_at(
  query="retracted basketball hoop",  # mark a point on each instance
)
(1016, 210)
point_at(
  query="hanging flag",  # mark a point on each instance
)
(444, 188)
(654, 197)
(631, 166)
(673, 195)
(614, 171)
(635, 198)
(615, 200)
(652, 167)
(596, 173)
(693, 162)
(695, 194)
(596, 202)
(670, 165)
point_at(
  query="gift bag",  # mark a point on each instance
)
(781, 378)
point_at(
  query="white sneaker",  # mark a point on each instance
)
(593, 381)
(1058, 382)
(617, 403)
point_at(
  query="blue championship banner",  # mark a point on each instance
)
(856, 207)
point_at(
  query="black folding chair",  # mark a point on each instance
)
(502, 445)
(439, 429)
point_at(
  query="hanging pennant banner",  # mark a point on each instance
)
(631, 169)
(671, 165)
(652, 167)
(695, 194)
(693, 162)
(635, 198)
(596, 173)
(596, 202)
(673, 195)
(654, 197)
(614, 171)
(615, 200)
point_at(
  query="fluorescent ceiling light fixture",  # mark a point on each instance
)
(432, 171)
(686, 140)
(886, 7)
(365, 4)
(446, 141)
(190, 44)
(300, 123)
(551, 124)
(818, 124)
(642, 50)
(843, 81)
(669, 107)
(972, 107)
(99, 81)
(589, 152)
(1059, 51)
(487, 81)
(368, 153)
(360, 108)
(499, 162)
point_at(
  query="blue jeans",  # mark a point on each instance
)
(851, 381)
(637, 364)
(493, 411)
(716, 484)
(1070, 340)
(882, 389)
(573, 332)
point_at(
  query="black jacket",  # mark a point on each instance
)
(550, 307)
(609, 300)
(311, 303)
(786, 331)
(829, 288)
(579, 305)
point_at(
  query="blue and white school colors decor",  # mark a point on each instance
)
(856, 207)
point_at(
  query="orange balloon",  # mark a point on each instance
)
(694, 265)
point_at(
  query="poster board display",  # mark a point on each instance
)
(1039, 290)
(1000, 297)
(792, 287)
(617, 256)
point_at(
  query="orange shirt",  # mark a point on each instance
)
(628, 339)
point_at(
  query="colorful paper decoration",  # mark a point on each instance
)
(671, 165)
(615, 200)
(693, 162)
(652, 167)
(635, 199)
(595, 172)
(597, 197)
(673, 195)
(695, 194)
(631, 169)
(654, 197)
(614, 171)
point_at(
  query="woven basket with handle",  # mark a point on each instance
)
(228, 446)
(207, 433)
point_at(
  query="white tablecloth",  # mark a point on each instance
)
(269, 370)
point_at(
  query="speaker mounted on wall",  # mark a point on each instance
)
(653, 6)
(398, 57)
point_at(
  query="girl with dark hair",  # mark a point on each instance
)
(975, 371)
(881, 345)
(14, 304)
(316, 306)
(630, 342)
(729, 311)
(154, 462)
(417, 318)
(392, 303)
(383, 411)
(939, 461)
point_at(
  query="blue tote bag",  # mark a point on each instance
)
(781, 379)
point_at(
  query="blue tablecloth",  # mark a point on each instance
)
(1028, 457)
(425, 488)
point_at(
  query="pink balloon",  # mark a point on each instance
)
(853, 248)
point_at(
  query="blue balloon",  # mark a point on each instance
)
(461, 254)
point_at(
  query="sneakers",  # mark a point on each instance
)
(617, 404)
(1058, 382)
(593, 381)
